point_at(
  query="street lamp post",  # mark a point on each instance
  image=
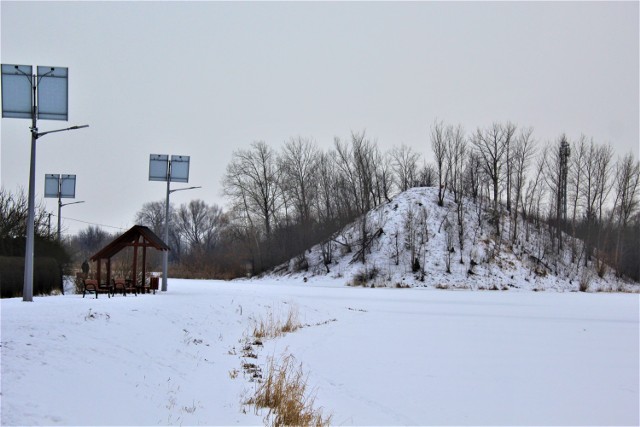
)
(176, 169)
(59, 187)
(27, 291)
(165, 254)
(44, 99)
(60, 205)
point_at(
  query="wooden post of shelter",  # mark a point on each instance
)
(108, 271)
(135, 262)
(144, 265)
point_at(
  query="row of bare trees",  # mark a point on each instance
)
(597, 201)
(196, 228)
(283, 202)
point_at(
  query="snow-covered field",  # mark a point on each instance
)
(373, 356)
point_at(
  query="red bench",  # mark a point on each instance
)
(124, 286)
(92, 285)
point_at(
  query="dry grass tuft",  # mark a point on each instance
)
(272, 326)
(585, 282)
(284, 392)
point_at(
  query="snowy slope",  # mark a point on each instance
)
(373, 356)
(482, 263)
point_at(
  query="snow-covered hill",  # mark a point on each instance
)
(412, 227)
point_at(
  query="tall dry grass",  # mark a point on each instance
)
(284, 392)
(273, 326)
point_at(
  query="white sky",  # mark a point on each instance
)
(205, 78)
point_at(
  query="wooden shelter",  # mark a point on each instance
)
(137, 237)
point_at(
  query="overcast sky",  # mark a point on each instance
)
(204, 78)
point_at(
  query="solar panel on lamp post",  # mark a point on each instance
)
(28, 95)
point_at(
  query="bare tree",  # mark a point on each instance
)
(383, 178)
(534, 195)
(326, 197)
(491, 145)
(523, 151)
(449, 239)
(473, 175)
(577, 166)
(252, 183)
(412, 237)
(439, 147)
(603, 178)
(90, 240)
(509, 131)
(152, 215)
(426, 175)
(455, 154)
(299, 166)
(595, 192)
(356, 163)
(627, 184)
(13, 215)
(200, 224)
(404, 163)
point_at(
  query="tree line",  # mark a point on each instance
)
(281, 203)
(284, 200)
(574, 191)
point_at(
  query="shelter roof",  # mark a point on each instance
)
(131, 237)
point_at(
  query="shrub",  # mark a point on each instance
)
(47, 276)
(602, 269)
(300, 263)
(364, 276)
(585, 281)
(416, 265)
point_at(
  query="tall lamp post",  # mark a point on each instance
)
(60, 205)
(28, 95)
(60, 186)
(176, 169)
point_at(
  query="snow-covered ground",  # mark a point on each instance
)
(373, 356)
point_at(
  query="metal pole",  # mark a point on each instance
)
(165, 254)
(27, 291)
(59, 209)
